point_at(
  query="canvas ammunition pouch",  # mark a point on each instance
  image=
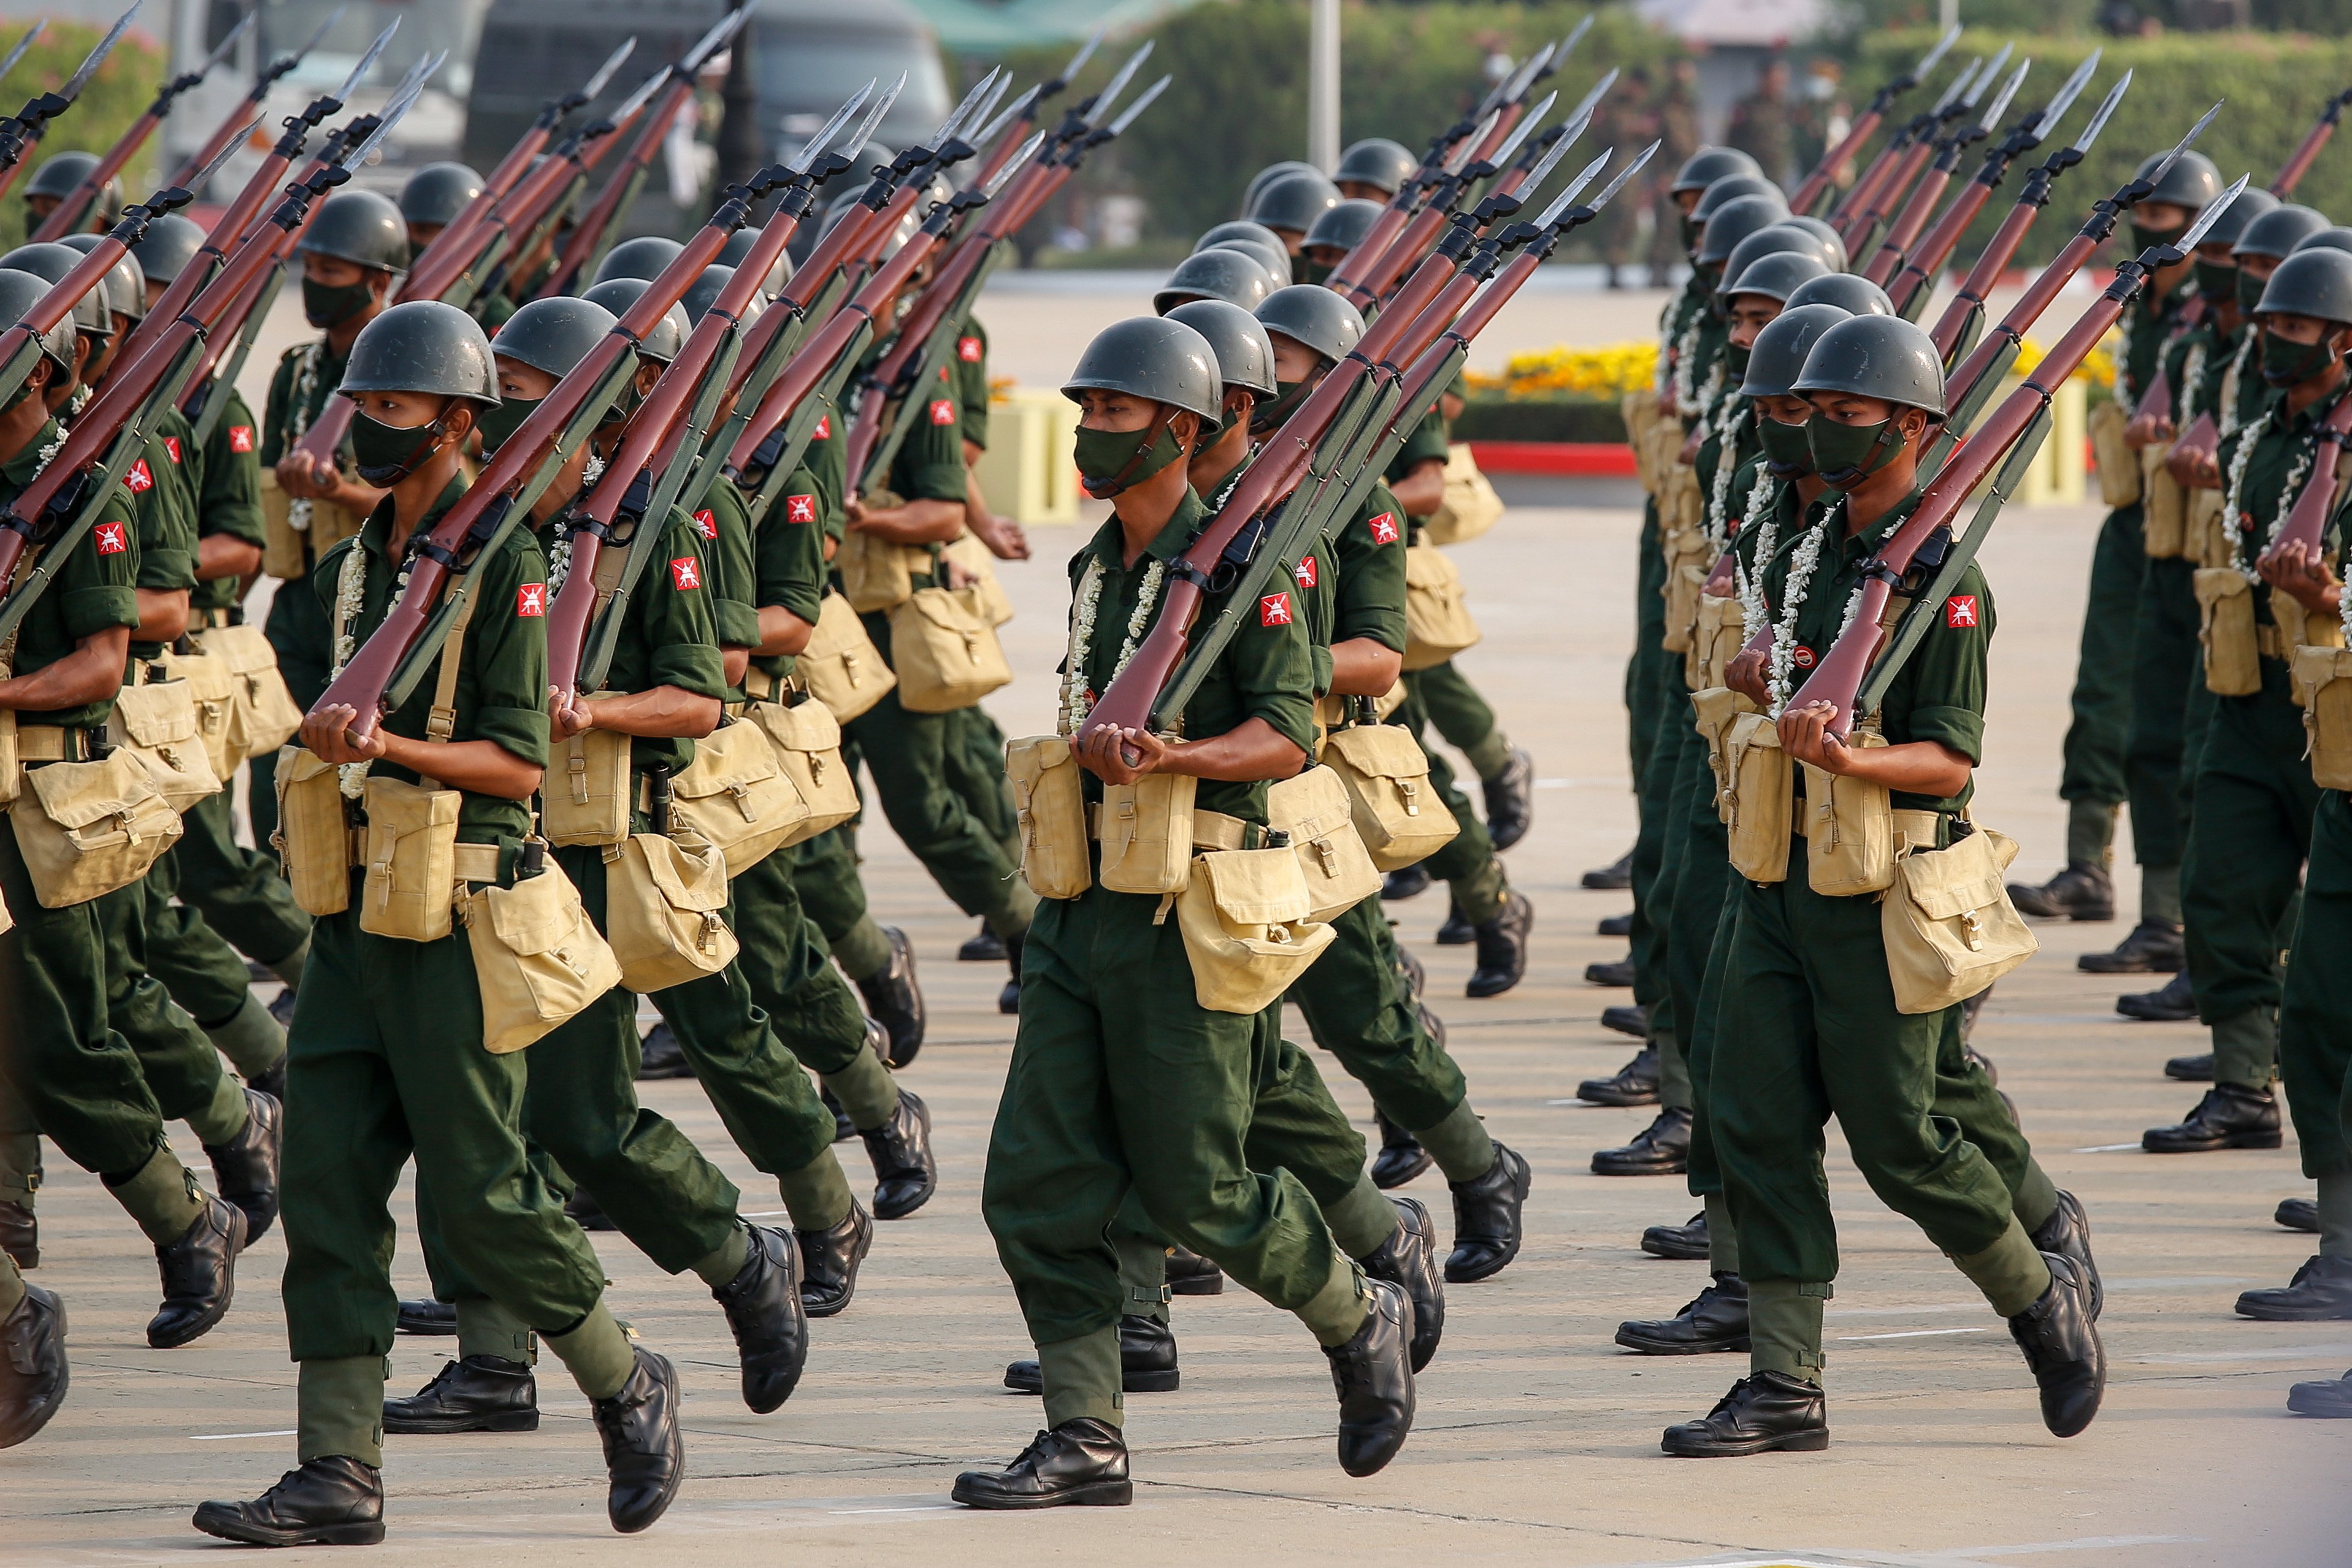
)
(158, 724)
(1639, 409)
(1146, 829)
(1244, 919)
(2116, 460)
(1049, 798)
(313, 838)
(984, 596)
(1756, 798)
(411, 859)
(1849, 830)
(86, 828)
(213, 692)
(1397, 812)
(588, 791)
(2225, 603)
(1437, 624)
(1716, 637)
(1713, 711)
(288, 552)
(1948, 926)
(876, 573)
(945, 652)
(841, 666)
(735, 795)
(2299, 629)
(807, 744)
(539, 959)
(263, 715)
(1688, 559)
(1314, 807)
(1471, 505)
(664, 911)
(2322, 685)
(2163, 505)
(2204, 539)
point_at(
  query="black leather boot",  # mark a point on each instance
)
(1661, 1148)
(33, 1371)
(763, 1308)
(829, 1261)
(1008, 1001)
(586, 1212)
(2320, 1292)
(20, 1234)
(1682, 1243)
(1614, 926)
(895, 1000)
(2062, 1347)
(1454, 931)
(1147, 1360)
(1372, 1374)
(2081, 891)
(199, 1272)
(1502, 948)
(1635, 1083)
(1764, 1411)
(1714, 1319)
(1616, 973)
(2154, 947)
(2329, 1397)
(245, 1169)
(1615, 876)
(644, 1453)
(1411, 882)
(1510, 800)
(1401, 1158)
(1083, 1461)
(844, 1129)
(2298, 1214)
(2067, 1232)
(1408, 1260)
(329, 1501)
(1486, 1219)
(427, 1317)
(478, 1394)
(271, 1080)
(906, 1173)
(2190, 1068)
(1189, 1274)
(2230, 1117)
(2173, 1002)
(660, 1056)
(281, 1007)
(984, 947)
(1633, 1020)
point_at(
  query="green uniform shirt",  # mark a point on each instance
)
(1368, 597)
(1939, 694)
(166, 517)
(295, 396)
(2148, 324)
(788, 564)
(727, 551)
(93, 588)
(971, 379)
(229, 495)
(1264, 672)
(929, 464)
(2283, 450)
(1427, 440)
(502, 678)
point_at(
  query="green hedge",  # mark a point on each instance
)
(1541, 419)
(116, 96)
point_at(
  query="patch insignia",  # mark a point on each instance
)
(1273, 610)
(686, 572)
(1960, 610)
(531, 598)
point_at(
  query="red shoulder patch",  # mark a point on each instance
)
(111, 540)
(531, 598)
(140, 479)
(171, 447)
(799, 509)
(686, 572)
(943, 411)
(240, 438)
(705, 524)
(970, 349)
(824, 430)
(1273, 610)
(1960, 610)
(1306, 572)
(1384, 528)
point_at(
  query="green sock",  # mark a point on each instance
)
(863, 950)
(1011, 918)
(719, 1269)
(2036, 1197)
(2335, 1214)
(222, 1117)
(1459, 1144)
(2245, 1048)
(339, 1402)
(161, 1196)
(12, 1286)
(20, 1168)
(253, 1041)
(1335, 1312)
(866, 1090)
(289, 967)
(1361, 1221)
(486, 1328)
(1082, 1378)
(1674, 1073)
(2010, 1272)
(595, 1352)
(2159, 894)
(2090, 834)
(1478, 898)
(1784, 1327)
(1722, 1237)
(816, 1195)
(1142, 1276)
(1491, 755)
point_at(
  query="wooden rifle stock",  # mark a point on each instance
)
(1890, 191)
(2306, 521)
(1873, 176)
(2026, 311)
(1928, 256)
(67, 215)
(589, 235)
(1978, 284)
(2299, 161)
(1905, 232)
(1825, 172)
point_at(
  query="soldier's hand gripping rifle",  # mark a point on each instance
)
(1912, 285)
(1906, 230)
(1837, 679)
(1892, 190)
(63, 500)
(20, 130)
(234, 125)
(1866, 125)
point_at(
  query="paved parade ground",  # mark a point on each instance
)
(1537, 1440)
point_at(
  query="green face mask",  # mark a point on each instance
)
(1735, 360)
(2286, 362)
(1785, 445)
(498, 424)
(332, 306)
(2215, 281)
(1304, 271)
(2249, 290)
(385, 455)
(1287, 396)
(1846, 455)
(2144, 237)
(1109, 460)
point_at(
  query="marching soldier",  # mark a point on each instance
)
(432, 199)
(1374, 169)
(59, 176)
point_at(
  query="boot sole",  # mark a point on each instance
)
(1619, 1101)
(1648, 1346)
(1800, 1443)
(2338, 1314)
(1672, 1252)
(516, 1421)
(2235, 1141)
(1132, 1383)
(325, 1535)
(1213, 1285)
(1391, 1179)
(1092, 1494)
(2329, 1408)
(1661, 1167)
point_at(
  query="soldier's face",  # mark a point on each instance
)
(414, 410)
(422, 234)
(2297, 328)
(1293, 361)
(1787, 410)
(332, 271)
(1750, 314)
(1114, 410)
(1848, 408)
(2162, 217)
(521, 383)
(2258, 267)
(1356, 190)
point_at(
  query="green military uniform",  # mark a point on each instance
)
(2314, 1028)
(1121, 1079)
(976, 759)
(1819, 1030)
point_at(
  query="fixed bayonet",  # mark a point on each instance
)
(595, 84)
(2000, 105)
(874, 117)
(31, 33)
(721, 32)
(1013, 112)
(815, 144)
(1567, 198)
(637, 99)
(1028, 149)
(285, 63)
(1550, 160)
(1460, 158)
(2207, 216)
(2063, 99)
(1959, 85)
(1525, 76)
(1102, 101)
(1934, 57)
(220, 51)
(2156, 176)
(360, 70)
(81, 79)
(1627, 173)
(1520, 132)
(2099, 121)
(1140, 105)
(1592, 100)
(2000, 62)
(1064, 76)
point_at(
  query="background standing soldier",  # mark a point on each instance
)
(1760, 125)
(1677, 129)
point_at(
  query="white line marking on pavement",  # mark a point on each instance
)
(2106, 1148)
(1912, 1333)
(225, 1436)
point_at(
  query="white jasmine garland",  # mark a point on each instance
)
(350, 587)
(2244, 557)
(2232, 379)
(2233, 489)
(1802, 565)
(1727, 464)
(305, 382)
(1686, 382)
(1765, 515)
(1077, 701)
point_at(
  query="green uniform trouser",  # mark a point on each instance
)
(811, 1008)
(907, 754)
(1461, 715)
(1121, 1079)
(176, 1058)
(2164, 661)
(1467, 864)
(71, 1073)
(824, 872)
(975, 760)
(1359, 1009)
(385, 1061)
(201, 972)
(297, 628)
(1701, 867)
(2247, 839)
(2315, 1029)
(2094, 747)
(1654, 685)
(238, 890)
(1817, 1035)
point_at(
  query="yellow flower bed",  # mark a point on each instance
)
(1629, 367)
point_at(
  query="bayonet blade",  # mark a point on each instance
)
(411, 80)
(1118, 83)
(1140, 104)
(31, 33)
(1524, 77)
(638, 100)
(1078, 61)
(874, 117)
(2210, 216)
(1934, 57)
(595, 85)
(2000, 105)
(1575, 37)
(2000, 63)
(987, 105)
(711, 42)
(1013, 112)
(2099, 121)
(1013, 165)
(220, 52)
(1959, 85)
(1627, 173)
(366, 60)
(2156, 176)
(800, 162)
(1567, 198)
(72, 89)
(962, 112)
(1550, 160)
(391, 116)
(2063, 99)
(298, 56)
(1592, 100)
(1502, 156)
(203, 177)
(1460, 156)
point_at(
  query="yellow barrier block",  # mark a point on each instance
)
(1027, 472)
